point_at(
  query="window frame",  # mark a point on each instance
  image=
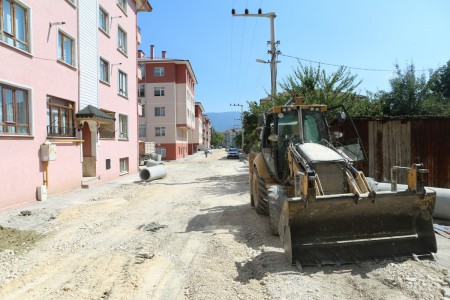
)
(122, 4)
(158, 90)
(160, 111)
(124, 165)
(68, 106)
(122, 47)
(108, 72)
(73, 47)
(4, 123)
(13, 34)
(106, 16)
(142, 129)
(122, 92)
(160, 131)
(141, 90)
(107, 131)
(161, 150)
(158, 72)
(123, 134)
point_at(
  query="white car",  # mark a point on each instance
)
(233, 153)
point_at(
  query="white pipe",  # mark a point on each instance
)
(151, 173)
(442, 206)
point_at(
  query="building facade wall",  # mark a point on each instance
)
(41, 74)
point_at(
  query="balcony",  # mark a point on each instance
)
(139, 73)
(138, 35)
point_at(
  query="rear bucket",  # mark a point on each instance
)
(343, 228)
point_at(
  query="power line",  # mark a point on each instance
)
(349, 67)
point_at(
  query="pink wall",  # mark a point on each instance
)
(39, 71)
(21, 170)
(108, 94)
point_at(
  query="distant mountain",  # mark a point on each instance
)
(222, 121)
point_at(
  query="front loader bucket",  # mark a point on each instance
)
(344, 228)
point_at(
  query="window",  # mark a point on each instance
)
(160, 131)
(158, 91)
(123, 127)
(122, 4)
(108, 130)
(123, 90)
(104, 70)
(161, 150)
(14, 24)
(14, 108)
(123, 165)
(66, 48)
(122, 40)
(103, 20)
(160, 111)
(143, 110)
(60, 117)
(158, 71)
(142, 130)
(141, 92)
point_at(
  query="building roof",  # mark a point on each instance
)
(143, 6)
(169, 60)
(93, 113)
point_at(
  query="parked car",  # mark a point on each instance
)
(233, 153)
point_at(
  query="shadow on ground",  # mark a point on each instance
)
(252, 230)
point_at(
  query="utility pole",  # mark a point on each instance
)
(242, 123)
(273, 50)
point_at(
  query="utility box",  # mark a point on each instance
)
(48, 152)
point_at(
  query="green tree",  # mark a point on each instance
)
(314, 85)
(412, 94)
(217, 138)
(440, 81)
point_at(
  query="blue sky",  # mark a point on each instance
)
(363, 34)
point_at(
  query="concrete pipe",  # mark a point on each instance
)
(152, 163)
(151, 173)
(442, 206)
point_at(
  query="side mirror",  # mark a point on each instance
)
(335, 136)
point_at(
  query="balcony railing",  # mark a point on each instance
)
(60, 131)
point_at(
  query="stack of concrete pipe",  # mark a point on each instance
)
(153, 170)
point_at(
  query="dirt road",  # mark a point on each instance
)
(191, 235)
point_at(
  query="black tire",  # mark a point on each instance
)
(259, 194)
(276, 196)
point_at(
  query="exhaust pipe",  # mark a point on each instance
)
(151, 173)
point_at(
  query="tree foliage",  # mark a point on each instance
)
(217, 138)
(314, 85)
(412, 95)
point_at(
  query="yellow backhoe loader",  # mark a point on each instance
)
(325, 210)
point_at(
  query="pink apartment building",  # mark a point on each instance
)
(196, 142)
(166, 93)
(68, 79)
